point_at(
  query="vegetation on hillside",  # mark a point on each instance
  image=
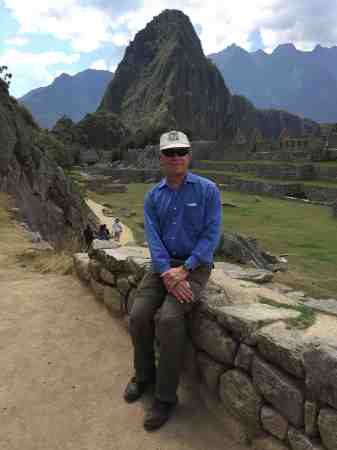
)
(65, 156)
(5, 76)
(103, 130)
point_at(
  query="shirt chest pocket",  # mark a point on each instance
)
(193, 216)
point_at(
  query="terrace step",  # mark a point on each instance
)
(323, 192)
(273, 170)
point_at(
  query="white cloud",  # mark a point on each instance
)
(100, 64)
(88, 24)
(86, 27)
(113, 68)
(120, 39)
(303, 22)
(17, 41)
(33, 69)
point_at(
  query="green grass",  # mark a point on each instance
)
(306, 318)
(307, 233)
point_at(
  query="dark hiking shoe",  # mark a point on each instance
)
(158, 415)
(135, 389)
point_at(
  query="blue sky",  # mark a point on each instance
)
(40, 39)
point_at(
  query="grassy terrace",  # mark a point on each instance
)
(306, 233)
(275, 163)
(251, 177)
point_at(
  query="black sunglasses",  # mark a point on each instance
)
(170, 152)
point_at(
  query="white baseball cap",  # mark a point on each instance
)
(174, 139)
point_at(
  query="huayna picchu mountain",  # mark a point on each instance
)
(165, 81)
(72, 96)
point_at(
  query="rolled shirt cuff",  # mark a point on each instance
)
(161, 266)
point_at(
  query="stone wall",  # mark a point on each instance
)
(334, 209)
(320, 194)
(278, 388)
(279, 171)
(325, 173)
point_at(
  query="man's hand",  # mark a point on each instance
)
(183, 292)
(174, 276)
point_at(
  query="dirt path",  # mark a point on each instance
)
(127, 235)
(64, 364)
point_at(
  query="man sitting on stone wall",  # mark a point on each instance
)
(182, 225)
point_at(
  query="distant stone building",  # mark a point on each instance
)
(88, 156)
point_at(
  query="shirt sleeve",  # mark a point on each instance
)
(210, 236)
(159, 254)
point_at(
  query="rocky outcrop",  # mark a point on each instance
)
(245, 250)
(45, 195)
(165, 81)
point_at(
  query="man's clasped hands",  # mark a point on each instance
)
(176, 283)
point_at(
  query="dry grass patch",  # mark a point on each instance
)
(47, 261)
(13, 244)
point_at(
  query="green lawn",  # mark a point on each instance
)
(307, 233)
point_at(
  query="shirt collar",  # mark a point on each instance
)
(190, 178)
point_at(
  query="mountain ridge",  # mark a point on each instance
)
(67, 95)
(301, 82)
(165, 81)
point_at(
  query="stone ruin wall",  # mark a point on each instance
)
(275, 390)
(148, 157)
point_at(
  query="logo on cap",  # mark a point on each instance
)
(173, 136)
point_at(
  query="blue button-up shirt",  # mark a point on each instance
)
(183, 223)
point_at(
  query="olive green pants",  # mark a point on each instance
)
(171, 331)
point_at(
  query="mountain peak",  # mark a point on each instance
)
(165, 81)
(319, 48)
(260, 52)
(62, 77)
(286, 49)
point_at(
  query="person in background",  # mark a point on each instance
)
(107, 231)
(103, 233)
(182, 225)
(88, 236)
(117, 229)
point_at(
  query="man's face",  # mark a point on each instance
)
(173, 163)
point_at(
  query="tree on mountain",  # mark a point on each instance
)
(5, 76)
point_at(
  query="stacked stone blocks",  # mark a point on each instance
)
(278, 388)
